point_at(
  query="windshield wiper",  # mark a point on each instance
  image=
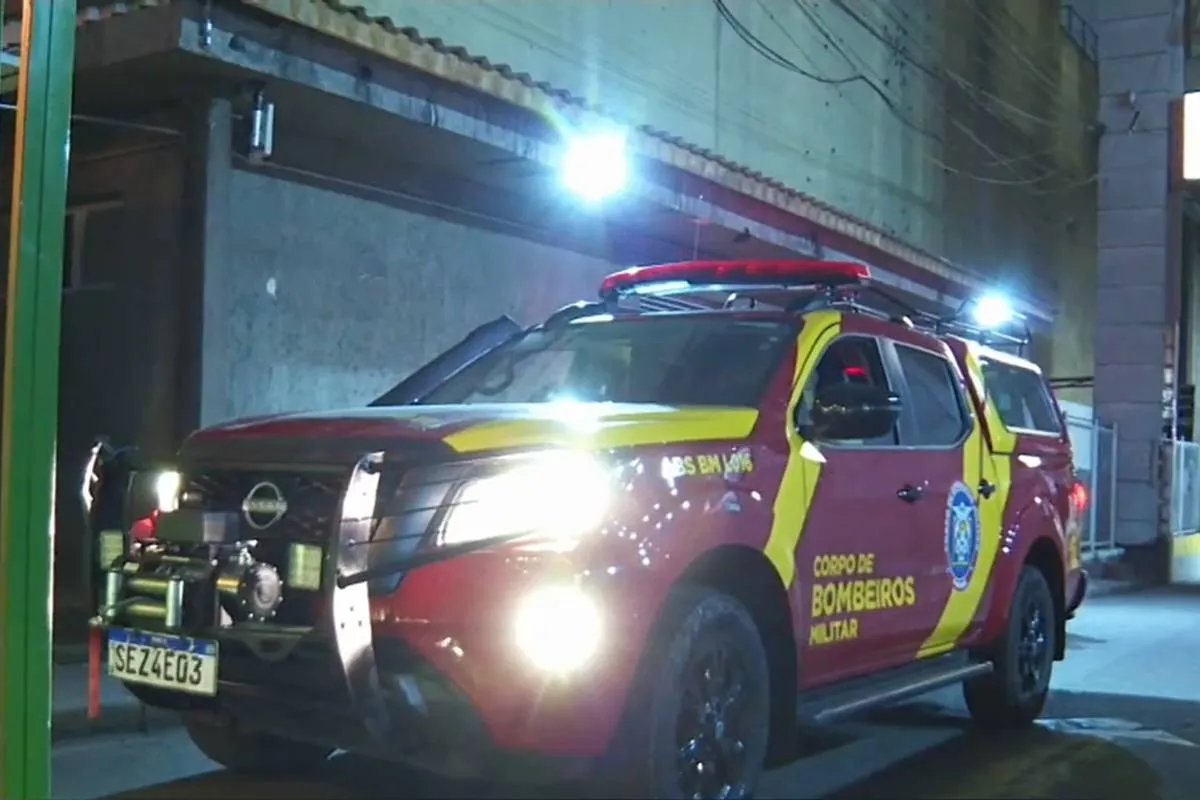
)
(514, 357)
(472, 347)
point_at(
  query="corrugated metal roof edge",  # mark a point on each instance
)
(87, 14)
(353, 24)
(102, 11)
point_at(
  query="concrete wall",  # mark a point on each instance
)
(910, 168)
(327, 299)
(1072, 222)
(679, 67)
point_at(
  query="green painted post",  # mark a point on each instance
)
(27, 438)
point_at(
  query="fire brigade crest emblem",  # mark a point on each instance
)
(962, 535)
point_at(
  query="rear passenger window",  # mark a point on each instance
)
(934, 398)
(852, 359)
(1021, 397)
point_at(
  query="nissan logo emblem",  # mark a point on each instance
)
(264, 506)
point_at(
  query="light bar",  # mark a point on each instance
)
(734, 273)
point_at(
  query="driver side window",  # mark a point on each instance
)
(850, 359)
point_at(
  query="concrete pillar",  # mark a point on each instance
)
(1141, 80)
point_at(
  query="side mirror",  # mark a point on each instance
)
(103, 486)
(853, 411)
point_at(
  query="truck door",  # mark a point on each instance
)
(857, 597)
(948, 552)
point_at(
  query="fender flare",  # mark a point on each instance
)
(1032, 534)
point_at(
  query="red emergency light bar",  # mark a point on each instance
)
(795, 273)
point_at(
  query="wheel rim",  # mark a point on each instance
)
(1033, 651)
(710, 729)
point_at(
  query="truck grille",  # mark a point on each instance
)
(313, 501)
(409, 501)
(313, 513)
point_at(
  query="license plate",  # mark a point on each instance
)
(178, 663)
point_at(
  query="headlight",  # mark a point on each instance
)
(560, 495)
(558, 628)
(167, 485)
(305, 566)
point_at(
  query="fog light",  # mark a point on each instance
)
(558, 628)
(109, 547)
(304, 566)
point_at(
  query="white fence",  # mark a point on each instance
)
(1185, 488)
(1095, 450)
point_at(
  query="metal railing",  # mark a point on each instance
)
(1079, 30)
(1185, 488)
(1095, 449)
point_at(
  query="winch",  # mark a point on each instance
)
(249, 589)
(220, 588)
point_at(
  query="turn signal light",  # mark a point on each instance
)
(1079, 496)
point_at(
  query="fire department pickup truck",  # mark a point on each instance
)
(651, 535)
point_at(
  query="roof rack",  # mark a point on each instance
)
(803, 284)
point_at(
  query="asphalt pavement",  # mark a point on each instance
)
(1123, 721)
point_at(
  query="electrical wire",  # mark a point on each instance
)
(925, 69)
(997, 158)
(772, 55)
(831, 40)
(778, 59)
(999, 35)
(759, 46)
(950, 76)
(859, 76)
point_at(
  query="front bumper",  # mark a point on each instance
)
(448, 692)
(423, 670)
(430, 722)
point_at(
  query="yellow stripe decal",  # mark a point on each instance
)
(602, 432)
(962, 606)
(801, 473)
(1003, 440)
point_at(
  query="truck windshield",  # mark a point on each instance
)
(1022, 397)
(662, 360)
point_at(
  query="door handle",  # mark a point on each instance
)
(909, 493)
(986, 489)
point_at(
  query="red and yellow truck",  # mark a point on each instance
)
(649, 543)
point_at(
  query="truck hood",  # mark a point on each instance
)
(344, 436)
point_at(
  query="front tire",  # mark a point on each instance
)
(1015, 693)
(699, 714)
(251, 752)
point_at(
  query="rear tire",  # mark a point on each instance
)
(250, 752)
(701, 704)
(1015, 693)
